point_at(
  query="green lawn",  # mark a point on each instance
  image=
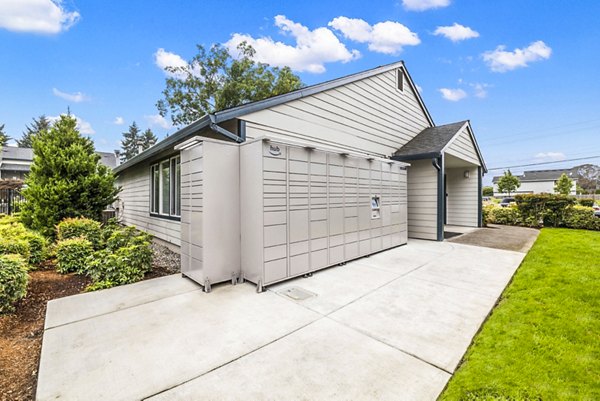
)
(542, 341)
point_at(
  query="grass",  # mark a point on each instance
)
(542, 341)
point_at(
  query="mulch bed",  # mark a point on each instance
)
(21, 332)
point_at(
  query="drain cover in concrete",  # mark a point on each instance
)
(297, 293)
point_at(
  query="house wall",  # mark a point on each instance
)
(534, 187)
(134, 202)
(369, 115)
(464, 148)
(422, 200)
(462, 207)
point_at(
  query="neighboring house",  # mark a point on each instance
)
(15, 162)
(538, 182)
(375, 115)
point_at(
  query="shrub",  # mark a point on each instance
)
(14, 245)
(126, 258)
(15, 238)
(80, 227)
(504, 215)
(582, 217)
(38, 247)
(486, 214)
(72, 254)
(13, 281)
(124, 266)
(586, 202)
(546, 209)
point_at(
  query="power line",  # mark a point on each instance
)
(542, 163)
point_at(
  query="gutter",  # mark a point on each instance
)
(438, 163)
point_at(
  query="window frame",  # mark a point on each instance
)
(157, 190)
(400, 80)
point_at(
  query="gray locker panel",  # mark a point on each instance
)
(335, 240)
(318, 229)
(276, 165)
(318, 259)
(318, 244)
(351, 251)
(336, 220)
(365, 247)
(318, 214)
(275, 270)
(336, 254)
(351, 237)
(275, 252)
(275, 235)
(298, 247)
(272, 218)
(299, 264)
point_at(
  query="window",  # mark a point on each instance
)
(165, 187)
(399, 79)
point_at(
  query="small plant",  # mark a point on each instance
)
(13, 281)
(126, 258)
(38, 247)
(72, 254)
(80, 227)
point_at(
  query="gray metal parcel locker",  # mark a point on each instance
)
(210, 211)
(304, 209)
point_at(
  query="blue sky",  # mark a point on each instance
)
(524, 72)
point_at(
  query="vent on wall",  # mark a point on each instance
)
(399, 80)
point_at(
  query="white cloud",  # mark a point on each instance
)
(164, 59)
(419, 88)
(453, 95)
(311, 51)
(36, 16)
(158, 120)
(500, 60)
(83, 126)
(422, 5)
(550, 156)
(119, 121)
(386, 37)
(76, 97)
(480, 89)
(456, 32)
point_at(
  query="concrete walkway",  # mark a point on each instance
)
(393, 326)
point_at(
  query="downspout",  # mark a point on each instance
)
(438, 163)
(220, 130)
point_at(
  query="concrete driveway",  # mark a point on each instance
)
(393, 326)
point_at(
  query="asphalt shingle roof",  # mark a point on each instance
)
(430, 140)
(541, 175)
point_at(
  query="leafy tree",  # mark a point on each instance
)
(213, 81)
(133, 139)
(488, 191)
(66, 178)
(563, 185)
(588, 177)
(3, 137)
(41, 124)
(508, 183)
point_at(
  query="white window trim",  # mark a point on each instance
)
(159, 211)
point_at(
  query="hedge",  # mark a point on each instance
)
(80, 227)
(13, 281)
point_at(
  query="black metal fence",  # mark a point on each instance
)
(10, 200)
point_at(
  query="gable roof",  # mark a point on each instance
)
(227, 114)
(15, 153)
(432, 141)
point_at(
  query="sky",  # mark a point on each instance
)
(524, 72)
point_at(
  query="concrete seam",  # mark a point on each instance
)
(119, 310)
(234, 359)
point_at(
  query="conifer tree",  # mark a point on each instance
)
(133, 139)
(66, 178)
(38, 125)
(3, 137)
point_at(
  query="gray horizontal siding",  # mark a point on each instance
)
(422, 200)
(134, 201)
(464, 148)
(462, 197)
(370, 116)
